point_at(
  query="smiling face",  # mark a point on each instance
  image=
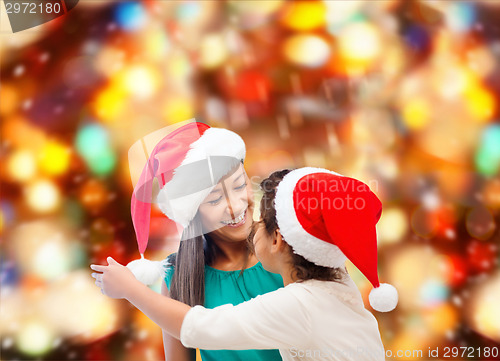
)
(226, 213)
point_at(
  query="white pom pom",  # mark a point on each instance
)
(383, 298)
(146, 271)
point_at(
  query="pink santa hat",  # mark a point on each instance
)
(326, 218)
(185, 165)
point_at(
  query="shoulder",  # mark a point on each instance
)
(284, 299)
(169, 267)
(170, 260)
(342, 293)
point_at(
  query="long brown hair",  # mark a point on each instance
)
(188, 280)
(304, 269)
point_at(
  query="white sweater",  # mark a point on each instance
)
(310, 320)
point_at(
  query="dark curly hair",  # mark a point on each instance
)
(303, 269)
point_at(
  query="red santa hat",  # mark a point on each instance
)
(187, 164)
(326, 218)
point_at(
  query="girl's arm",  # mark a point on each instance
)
(174, 350)
(117, 281)
(277, 319)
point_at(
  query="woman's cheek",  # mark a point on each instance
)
(216, 214)
(211, 217)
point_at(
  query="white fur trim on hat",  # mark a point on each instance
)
(213, 142)
(311, 248)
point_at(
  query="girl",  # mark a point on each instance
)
(311, 220)
(205, 189)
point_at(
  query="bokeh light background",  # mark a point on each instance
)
(401, 94)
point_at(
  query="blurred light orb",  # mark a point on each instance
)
(104, 164)
(93, 194)
(262, 8)
(21, 165)
(252, 14)
(456, 269)
(487, 157)
(481, 60)
(304, 15)
(54, 158)
(460, 16)
(178, 65)
(451, 80)
(91, 139)
(480, 103)
(52, 259)
(392, 226)
(42, 196)
(411, 267)
(416, 113)
(130, 15)
(412, 338)
(359, 42)
(441, 319)
(10, 99)
(141, 81)
(109, 60)
(213, 51)
(178, 109)
(484, 316)
(480, 222)
(92, 143)
(34, 338)
(22, 134)
(307, 50)
(42, 248)
(156, 44)
(341, 12)
(188, 11)
(433, 293)
(491, 194)
(251, 86)
(443, 139)
(75, 306)
(110, 103)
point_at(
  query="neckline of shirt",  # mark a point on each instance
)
(258, 264)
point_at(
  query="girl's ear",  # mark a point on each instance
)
(278, 241)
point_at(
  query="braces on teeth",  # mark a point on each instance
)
(236, 220)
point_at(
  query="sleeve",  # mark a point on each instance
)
(169, 270)
(273, 320)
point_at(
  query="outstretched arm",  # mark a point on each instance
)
(277, 319)
(117, 281)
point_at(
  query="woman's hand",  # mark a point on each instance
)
(114, 279)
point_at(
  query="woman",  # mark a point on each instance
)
(205, 189)
(312, 220)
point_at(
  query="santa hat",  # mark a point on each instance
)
(326, 218)
(187, 164)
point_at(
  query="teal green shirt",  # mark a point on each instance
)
(223, 287)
